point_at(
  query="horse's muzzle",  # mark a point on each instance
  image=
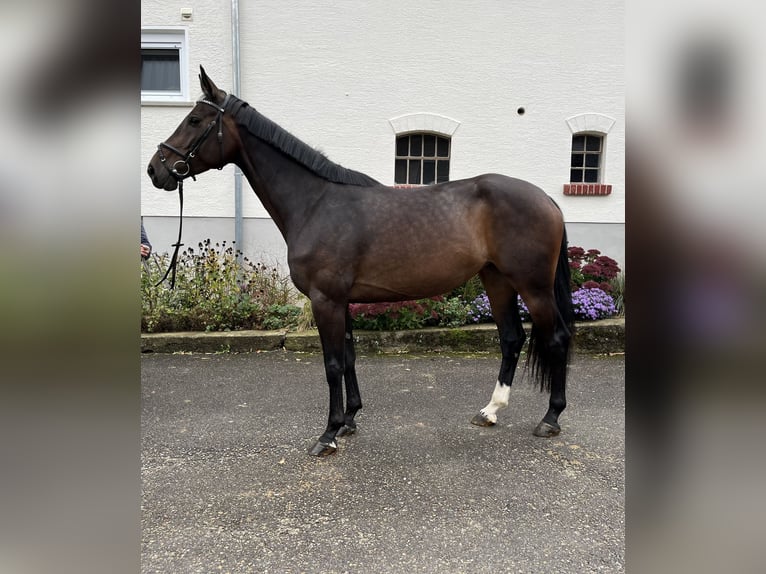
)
(161, 178)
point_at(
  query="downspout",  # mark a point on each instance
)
(238, 241)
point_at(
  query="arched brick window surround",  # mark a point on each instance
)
(595, 123)
(424, 122)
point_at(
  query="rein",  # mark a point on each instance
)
(174, 260)
(183, 164)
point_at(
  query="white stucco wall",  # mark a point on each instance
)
(209, 45)
(335, 73)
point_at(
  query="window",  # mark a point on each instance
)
(421, 159)
(586, 158)
(163, 66)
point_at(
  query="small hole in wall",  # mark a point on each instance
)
(520, 111)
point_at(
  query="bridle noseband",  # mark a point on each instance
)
(181, 168)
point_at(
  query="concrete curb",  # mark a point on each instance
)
(606, 336)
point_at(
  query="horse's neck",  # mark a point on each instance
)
(286, 189)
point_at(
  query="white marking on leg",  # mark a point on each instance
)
(499, 401)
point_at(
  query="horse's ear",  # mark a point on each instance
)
(208, 87)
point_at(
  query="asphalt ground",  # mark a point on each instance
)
(227, 485)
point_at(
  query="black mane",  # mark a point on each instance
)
(263, 128)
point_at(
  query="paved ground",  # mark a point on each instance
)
(228, 486)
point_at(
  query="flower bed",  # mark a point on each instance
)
(597, 285)
(218, 291)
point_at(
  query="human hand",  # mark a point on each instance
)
(145, 250)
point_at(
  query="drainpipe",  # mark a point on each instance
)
(236, 91)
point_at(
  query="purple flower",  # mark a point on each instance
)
(589, 305)
(523, 309)
(592, 304)
(480, 310)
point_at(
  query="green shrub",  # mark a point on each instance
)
(618, 293)
(468, 291)
(279, 316)
(306, 317)
(215, 291)
(452, 312)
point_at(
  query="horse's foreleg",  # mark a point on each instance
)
(353, 397)
(330, 319)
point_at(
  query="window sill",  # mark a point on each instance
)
(587, 189)
(168, 103)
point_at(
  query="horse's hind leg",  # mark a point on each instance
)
(505, 311)
(353, 397)
(549, 350)
(549, 425)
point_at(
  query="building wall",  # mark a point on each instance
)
(336, 73)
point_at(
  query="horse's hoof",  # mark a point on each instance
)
(345, 430)
(322, 449)
(546, 430)
(481, 420)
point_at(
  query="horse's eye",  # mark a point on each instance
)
(194, 121)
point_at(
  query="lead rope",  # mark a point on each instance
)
(177, 244)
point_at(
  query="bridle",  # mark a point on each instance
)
(181, 170)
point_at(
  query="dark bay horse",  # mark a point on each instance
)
(351, 239)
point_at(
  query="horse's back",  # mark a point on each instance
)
(493, 189)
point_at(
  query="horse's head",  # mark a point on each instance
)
(203, 140)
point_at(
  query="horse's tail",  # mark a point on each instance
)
(549, 361)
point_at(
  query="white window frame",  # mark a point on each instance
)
(420, 157)
(423, 123)
(585, 153)
(168, 38)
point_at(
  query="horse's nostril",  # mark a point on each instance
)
(150, 170)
